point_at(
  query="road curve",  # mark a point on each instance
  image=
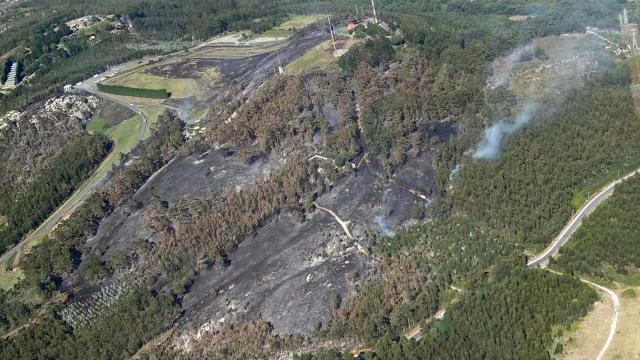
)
(87, 86)
(542, 259)
(143, 117)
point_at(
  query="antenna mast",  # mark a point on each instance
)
(625, 18)
(280, 69)
(375, 16)
(333, 40)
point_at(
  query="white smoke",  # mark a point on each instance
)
(384, 227)
(491, 144)
(510, 62)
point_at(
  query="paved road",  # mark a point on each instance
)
(85, 190)
(542, 259)
(79, 196)
(89, 86)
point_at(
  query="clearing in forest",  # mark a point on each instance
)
(319, 57)
(10, 278)
(295, 22)
(586, 342)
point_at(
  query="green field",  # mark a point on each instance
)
(124, 136)
(10, 278)
(617, 169)
(179, 88)
(319, 57)
(96, 125)
(300, 21)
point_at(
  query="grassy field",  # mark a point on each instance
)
(300, 21)
(294, 22)
(124, 136)
(179, 88)
(617, 169)
(96, 125)
(236, 52)
(321, 56)
(152, 112)
(10, 278)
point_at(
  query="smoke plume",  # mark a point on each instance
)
(509, 63)
(490, 145)
(384, 227)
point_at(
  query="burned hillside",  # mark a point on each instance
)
(266, 187)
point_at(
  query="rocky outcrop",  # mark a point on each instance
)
(30, 139)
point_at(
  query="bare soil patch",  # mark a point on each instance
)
(114, 113)
(592, 332)
(626, 344)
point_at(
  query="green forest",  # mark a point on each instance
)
(116, 334)
(51, 188)
(515, 311)
(525, 191)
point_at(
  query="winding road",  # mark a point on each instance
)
(542, 259)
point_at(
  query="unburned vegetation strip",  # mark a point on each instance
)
(131, 91)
